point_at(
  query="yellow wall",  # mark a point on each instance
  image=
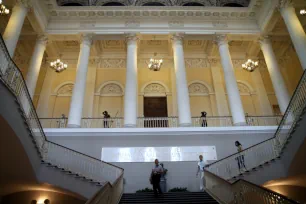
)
(59, 105)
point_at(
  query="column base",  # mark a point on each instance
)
(240, 124)
(185, 124)
(129, 125)
(73, 126)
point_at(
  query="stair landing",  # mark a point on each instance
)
(173, 197)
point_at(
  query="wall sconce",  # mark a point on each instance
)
(303, 12)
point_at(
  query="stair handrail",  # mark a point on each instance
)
(276, 143)
(241, 191)
(13, 79)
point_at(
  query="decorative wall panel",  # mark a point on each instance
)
(149, 154)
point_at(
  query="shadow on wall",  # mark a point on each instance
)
(40, 197)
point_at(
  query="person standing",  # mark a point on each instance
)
(156, 173)
(106, 119)
(203, 119)
(240, 158)
(201, 166)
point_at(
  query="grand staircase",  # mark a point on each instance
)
(173, 197)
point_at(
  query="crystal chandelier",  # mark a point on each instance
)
(58, 65)
(250, 65)
(303, 12)
(3, 9)
(155, 64)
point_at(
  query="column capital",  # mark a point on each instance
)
(264, 40)
(285, 4)
(131, 38)
(87, 39)
(42, 39)
(177, 38)
(25, 3)
(221, 39)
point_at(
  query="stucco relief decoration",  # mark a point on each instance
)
(132, 23)
(243, 89)
(220, 24)
(113, 63)
(154, 42)
(65, 90)
(155, 88)
(111, 89)
(176, 24)
(196, 63)
(198, 89)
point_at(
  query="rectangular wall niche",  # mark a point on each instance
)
(149, 154)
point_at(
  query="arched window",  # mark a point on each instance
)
(72, 4)
(193, 4)
(153, 4)
(232, 5)
(62, 99)
(109, 97)
(200, 98)
(113, 4)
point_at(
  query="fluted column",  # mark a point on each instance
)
(233, 94)
(295, 29)
(277, 79)
(35, 64)
(78, 93)
(14, 26)
(130, 97)
(182, 93)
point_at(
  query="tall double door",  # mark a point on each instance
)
(155, 112)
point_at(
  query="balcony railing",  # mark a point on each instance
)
(161, 122)
(270, 149)
(52, 154)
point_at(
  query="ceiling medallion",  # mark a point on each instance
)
(58, 66)
(155, 64)
(3, 9)
(250, 65)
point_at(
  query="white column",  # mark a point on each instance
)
(263, 100)
(235, 103)
(14, 26)
(78, 93)
(130, 97)
(182, 93)
(35, 63)
(44, 98)
(222, 105)
(278, 82)
(295, 29)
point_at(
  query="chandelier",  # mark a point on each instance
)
(155, 64)
(3, 9)
(250, 65)
(303, 12)
(58, 65)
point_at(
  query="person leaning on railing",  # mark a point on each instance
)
(240, 158)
